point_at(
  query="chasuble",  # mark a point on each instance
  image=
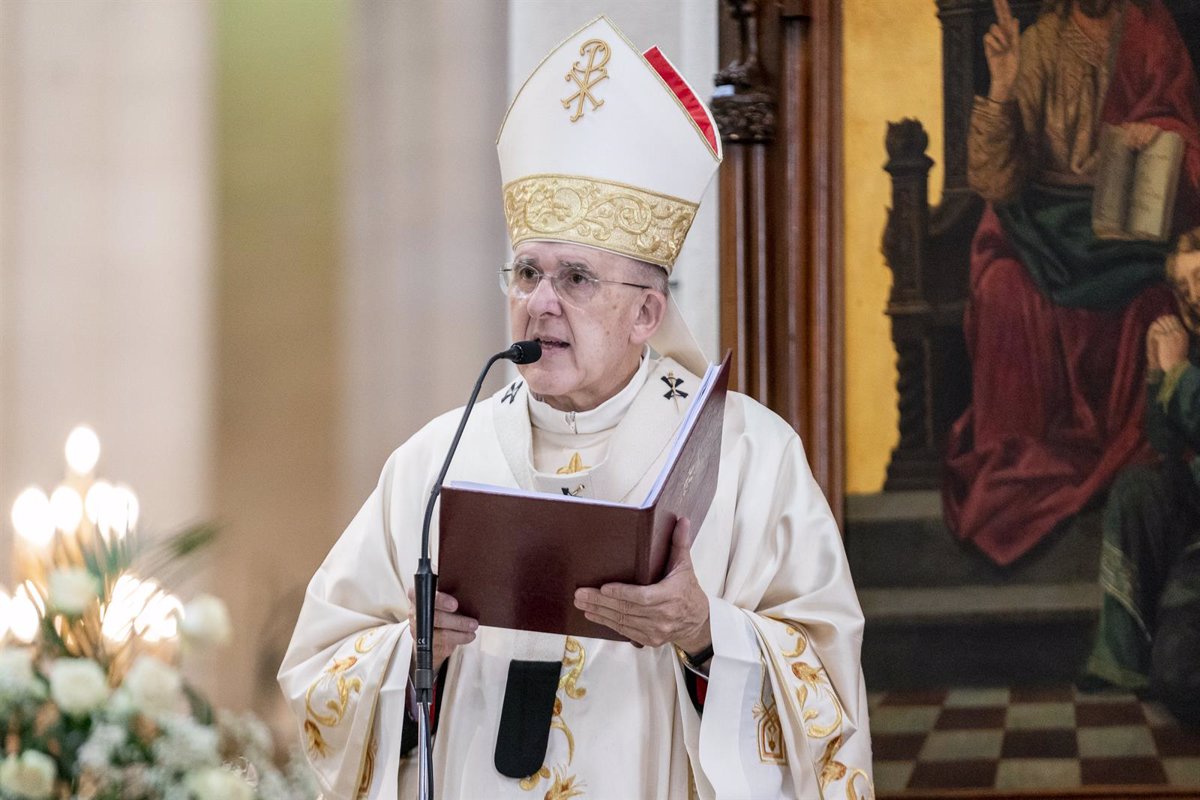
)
(785, 713)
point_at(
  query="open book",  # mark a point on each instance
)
(1135, 189)
(514, 558)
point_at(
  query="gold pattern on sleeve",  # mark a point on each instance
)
(368, 769)
(574, 465)
(363, 644)
(801, 641)
(563, 786)
(852, 793)
(317, 745)
(818, 681)
(831, 770)
(345, 687)
(771, 748)
(814, 682)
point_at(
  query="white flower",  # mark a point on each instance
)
(217, 783)
(185, 744)
(153, 688)
(78, 685)
(206, 621)
(30, 776)
(71, 590)
(97, 752)
(17, 679)
(250, 734)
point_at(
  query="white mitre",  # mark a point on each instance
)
(610, 148)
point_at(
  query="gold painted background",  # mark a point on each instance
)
(892, 68)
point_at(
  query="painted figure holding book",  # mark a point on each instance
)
(733, 671)
(1087, 151)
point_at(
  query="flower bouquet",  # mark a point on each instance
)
(92, 704)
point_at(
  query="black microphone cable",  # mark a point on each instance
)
(425, 580)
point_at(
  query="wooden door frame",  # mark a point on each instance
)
(778, 105)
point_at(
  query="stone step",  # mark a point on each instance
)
(1021, 634)
(982, 605)
(898, 539)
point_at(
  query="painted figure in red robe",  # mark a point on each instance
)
(1057, 317)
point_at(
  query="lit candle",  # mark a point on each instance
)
(32, 517)
(83, 450)
(66, 508)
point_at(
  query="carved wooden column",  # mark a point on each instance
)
(744, 107)
(915, 461)
(777, 105)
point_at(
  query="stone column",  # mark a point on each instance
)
(105, 248)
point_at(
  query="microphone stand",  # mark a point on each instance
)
(425, 581)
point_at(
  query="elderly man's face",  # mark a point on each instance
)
(590, 349)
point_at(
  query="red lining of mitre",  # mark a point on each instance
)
(666, 70)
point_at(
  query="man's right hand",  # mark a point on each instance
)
(449, 629)
(1002, 46)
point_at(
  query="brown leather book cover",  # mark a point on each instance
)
(514, 559)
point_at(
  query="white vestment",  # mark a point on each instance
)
(786, 710)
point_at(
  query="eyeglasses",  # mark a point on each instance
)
(574, 285)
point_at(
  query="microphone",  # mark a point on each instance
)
(425, 580)
(525, 352)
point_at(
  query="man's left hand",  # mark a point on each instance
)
(672, 611)
(1172, 341)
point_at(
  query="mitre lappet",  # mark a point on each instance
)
(609, 147)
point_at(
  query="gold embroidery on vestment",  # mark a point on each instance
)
(831, 770)
(563, 786)
(316, 742)
(586, 78)
(530, 783)
(647, 226)
(814, 682)
(363, 644)
(801, 641)
(574, 465)
(368, 770)
(344, 687)
(852, 794)
(771, 748)
(574, 661)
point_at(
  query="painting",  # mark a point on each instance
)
(1028, 553)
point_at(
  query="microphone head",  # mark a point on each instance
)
(525, 352)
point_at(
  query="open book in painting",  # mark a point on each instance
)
(1135, 189)
(513, 558)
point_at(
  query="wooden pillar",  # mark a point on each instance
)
(778, 107)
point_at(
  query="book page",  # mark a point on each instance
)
(516, 491)
(1156, 178)
(1114, 180)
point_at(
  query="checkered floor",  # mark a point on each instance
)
(1053, 737)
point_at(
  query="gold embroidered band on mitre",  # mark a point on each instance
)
(612, 216)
